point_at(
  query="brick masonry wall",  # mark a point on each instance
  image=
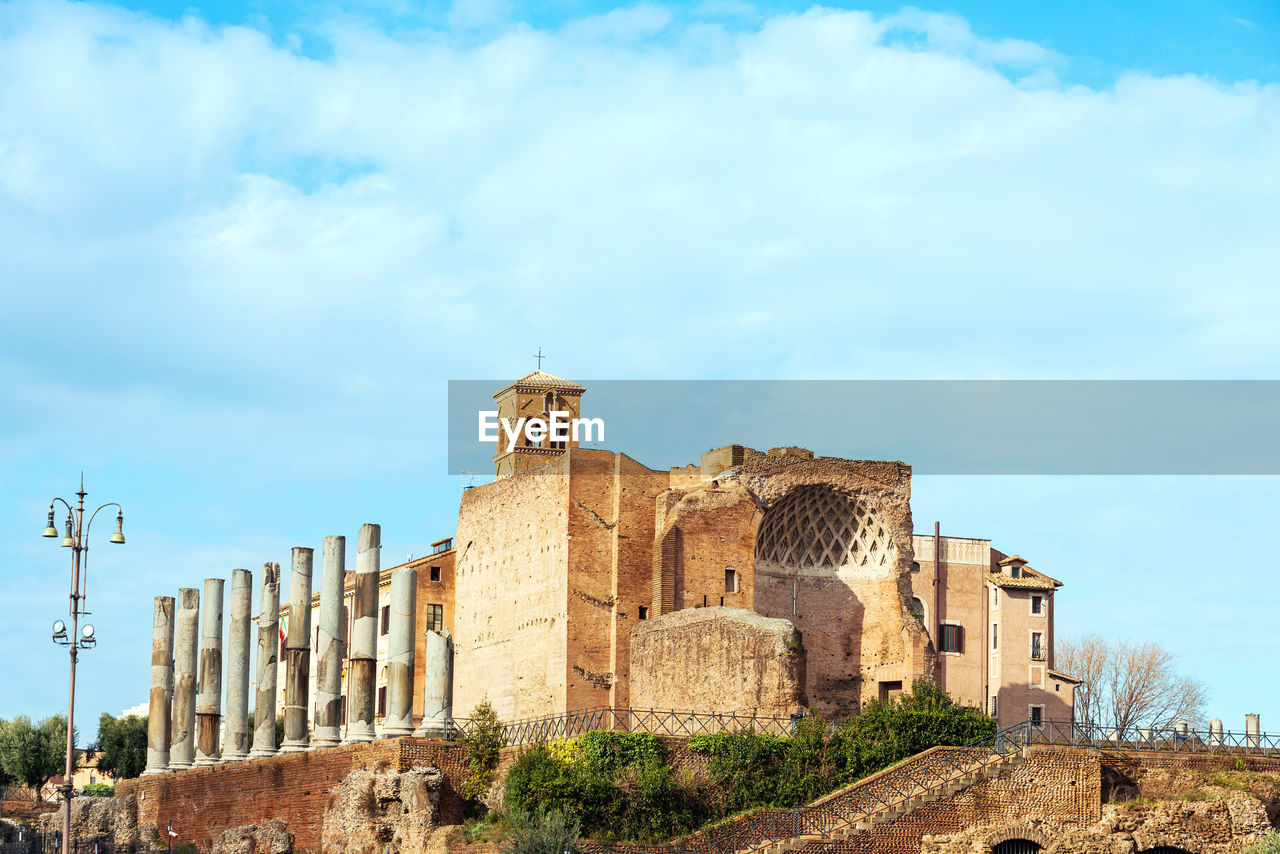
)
(1059, 785)
(293, 788)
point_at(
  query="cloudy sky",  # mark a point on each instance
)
(244, 247)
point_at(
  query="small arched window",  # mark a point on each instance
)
(917, 609)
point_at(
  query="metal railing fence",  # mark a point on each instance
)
(1158, 739)
(685, 724)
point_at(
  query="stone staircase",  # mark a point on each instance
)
(927, 777)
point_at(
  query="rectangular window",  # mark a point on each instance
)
(1036, 715)
(951, 638)
(386, 619)
(731, 581)
(346, 619)
(1037, 604)
(283, 655)
(382, 701)
(995, 635)
(995, 598)
(435, 618)
(1016, 571)
(995, 707)
(1037, 646)
(342, 709)
(317, 644)
(644, 613)
(435, 573)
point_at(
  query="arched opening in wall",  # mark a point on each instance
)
(917, 610)
(826, 561)
(1016, 846)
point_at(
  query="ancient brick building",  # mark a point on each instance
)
(571, 567)
(569, 550)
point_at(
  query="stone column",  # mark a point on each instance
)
(182, 745)
(437, 687)
(297, 650)
(1215, 732)
(332, 651)
(237, 729)
(1252, 730)
(264, 705)
(209, 694)
(404, 595)
(158, 728)
(364, 637)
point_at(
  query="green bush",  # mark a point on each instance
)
(544, 832)
(653, 806)
(483, 744)
(744, 766)
(885, 733)
(607, 753)
(99, 790)
(1270, 844)
(537, 781)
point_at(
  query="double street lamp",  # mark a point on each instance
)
(76, 538)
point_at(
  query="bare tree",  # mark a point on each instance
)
(1130, 684)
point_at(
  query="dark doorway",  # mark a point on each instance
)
(1016, 846)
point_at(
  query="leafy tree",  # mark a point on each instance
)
(6, 779)
(33, 754)
(483, 743)
(122, 743)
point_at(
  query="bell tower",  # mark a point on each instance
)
(536, 395)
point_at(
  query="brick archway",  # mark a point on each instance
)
(1011, 832)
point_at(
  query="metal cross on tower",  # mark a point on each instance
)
(540, 357)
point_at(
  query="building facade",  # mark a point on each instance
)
(991, 619)
(558, 561)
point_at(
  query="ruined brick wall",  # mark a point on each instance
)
(510, 593)
(292, 788)
(860, 639)
(745, 663)
(716, 533)
(1059, 786)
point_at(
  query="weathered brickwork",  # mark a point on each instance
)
(1057, 786)
(291, 788)
(512, 594)
(745, 663)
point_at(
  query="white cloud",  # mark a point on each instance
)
(253, 271)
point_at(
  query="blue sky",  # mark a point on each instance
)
(244, 247)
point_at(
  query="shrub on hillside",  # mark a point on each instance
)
(1270, 844)
(544, 832)
(538, 781)
(885, 733)
(606, 753)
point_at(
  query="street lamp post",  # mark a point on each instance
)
(76, 539)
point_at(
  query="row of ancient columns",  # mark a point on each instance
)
(185, 713)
